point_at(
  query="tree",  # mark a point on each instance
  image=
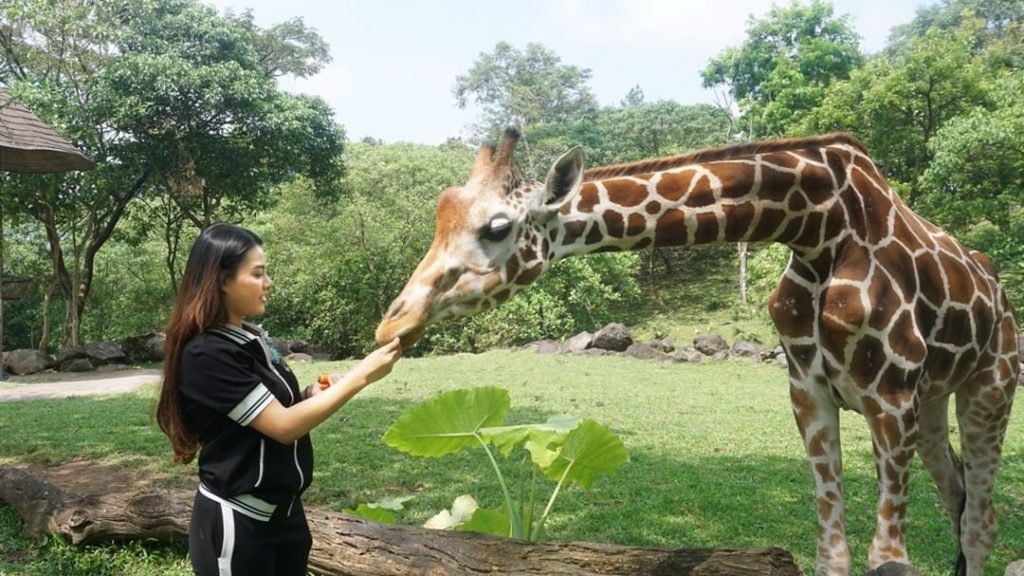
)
(897, 102)
(974, 185)
(785, 66)
(524, 88)
(169, 98)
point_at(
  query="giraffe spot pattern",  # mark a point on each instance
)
(625, 192)
(707, 228)
(734, 178)
(672, 187)
(636, 225)
(671, 228)
(588, 199)
(614, 223)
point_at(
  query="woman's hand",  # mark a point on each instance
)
(285, 425)
(378, 363)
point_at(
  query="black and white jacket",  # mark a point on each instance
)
(228, 376)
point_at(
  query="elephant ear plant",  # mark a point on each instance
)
(567, 450)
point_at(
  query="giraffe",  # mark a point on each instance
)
(878, 311)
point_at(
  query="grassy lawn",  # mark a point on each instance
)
(715, 461)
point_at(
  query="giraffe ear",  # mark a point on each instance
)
(565, 176)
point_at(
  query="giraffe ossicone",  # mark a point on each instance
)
(879, 311)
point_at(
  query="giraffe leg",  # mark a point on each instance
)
(818, 422)
(941, 461)
(894, 430)
(983, 409)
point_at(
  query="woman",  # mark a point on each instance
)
(225, 397)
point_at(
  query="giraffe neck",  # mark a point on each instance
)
(782, 197)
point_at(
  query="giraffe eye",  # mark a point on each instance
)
(497, 229)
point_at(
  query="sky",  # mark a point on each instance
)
(395, 61)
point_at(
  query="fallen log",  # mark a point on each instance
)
(90, 503)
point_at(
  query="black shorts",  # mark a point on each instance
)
(224, 542)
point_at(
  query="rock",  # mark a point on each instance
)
(782, 361)
(720, 355)
(27, 361)
(687, 355)
(594, 352)
(745, 349)
(579, 342)
(77, 365)
(299, 346)
(298, 357)
(145, 348)
(1015, 569)
(97, 353)
(893, 569)
(548, 347)
(613, 337)
(281, 345)
(710, 345)
(644, 352)
(666, 345)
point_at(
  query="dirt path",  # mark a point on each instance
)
(64, 386)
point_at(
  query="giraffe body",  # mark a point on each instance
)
(879, 311)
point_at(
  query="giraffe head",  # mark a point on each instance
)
(492, 239)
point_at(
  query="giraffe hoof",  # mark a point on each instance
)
(893, 569)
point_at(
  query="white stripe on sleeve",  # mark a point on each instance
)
(250, 407)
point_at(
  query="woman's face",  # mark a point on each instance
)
(246, 293)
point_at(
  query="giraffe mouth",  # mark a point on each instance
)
(408, 334)
(410, 337)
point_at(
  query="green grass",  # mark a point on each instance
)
(715, 460)
(699, 296)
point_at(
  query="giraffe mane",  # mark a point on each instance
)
(722, 153)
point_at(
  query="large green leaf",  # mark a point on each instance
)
(371, 512)
(381, 510)
(506, 438)
(487, 521)
(589, 451)
(448, 422)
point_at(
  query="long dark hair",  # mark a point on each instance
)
(213, 260)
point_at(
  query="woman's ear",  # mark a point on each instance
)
(565, 176)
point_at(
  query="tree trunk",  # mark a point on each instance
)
(44, 339)
(1, 288)
(742, 246)
(87, 502)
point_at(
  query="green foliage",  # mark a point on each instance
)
(977, 171)
(524, 88)
(628, 133)
(974, 186)
(171, 99)
(575, 294)
(764, 269)
(897, 102)
(131, 294)
(786, 64)
(338, 264)
(566, 450)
